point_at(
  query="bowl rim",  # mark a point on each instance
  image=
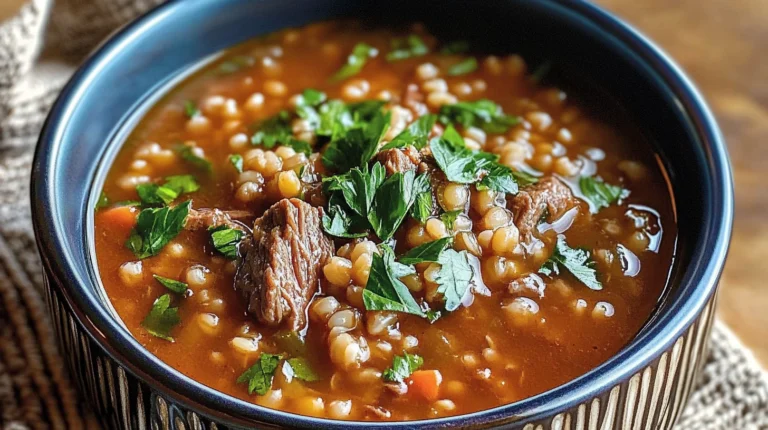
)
(96, 321)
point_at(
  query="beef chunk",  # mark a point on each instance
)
(548, 198)
(278, 272)
(399, 160)
(206, 218)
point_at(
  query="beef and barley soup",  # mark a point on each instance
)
(358, 223)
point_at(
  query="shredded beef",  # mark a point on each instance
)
(399, 160)
(548, 198)
(206, 218)
(281, 262)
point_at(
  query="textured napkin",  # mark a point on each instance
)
(38, 50)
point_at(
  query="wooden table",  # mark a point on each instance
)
(722, 46)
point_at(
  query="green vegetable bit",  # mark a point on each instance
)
(155, 227)
(187, 154)
(174, 186)
(237, 162)
(416, 134)
(300, 368)
(462, 68)
(277, 130)
(402, 367)
(577, 261)
(190, 109)
(259, 376)
(102, 202)
(384, 290)
(355, 62)
(480, 113)
(408, 47)
(161, 318)
(454, 278)
(226, 240)
(423, 208)
(426, 253)
(455, 47)
(600, 194)
(355, 146)
(171, 284)
(449, 218)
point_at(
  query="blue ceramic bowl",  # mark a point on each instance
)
(645, 385)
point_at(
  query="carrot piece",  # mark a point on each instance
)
(122, 217)
(426, 383)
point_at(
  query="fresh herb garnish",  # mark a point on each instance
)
(277, 130)
(575, 260)
(174, 186)
(481, 113)
(455, 47)
(171, 284)
(600, 194)
(384, 290)
(235, 64)
(355, 146)
(190, 109)
(187, 154)
(339, 221)
(422, 208)
(226, 240)
(416, 134)
(426, 253)
(393, 201)
(300, 368)
(407, 47)
(237, 162)
(312, 97)
(402, 367)
(259, 376)
(161, 318)
(454, 277)
(102, 202)
(449, 218)
(355, 61)
(468, 65)
(358, 186)
(155, 227)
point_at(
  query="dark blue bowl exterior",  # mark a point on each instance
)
(644, 386)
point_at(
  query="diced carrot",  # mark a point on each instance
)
(121, 217)
(425, 383)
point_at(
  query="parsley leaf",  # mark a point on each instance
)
(235, 64)
(358, 186)
(174, 186)
(155, 227)
(393, 200)
(102, 202)
(259, 376)
(226, 240)
(499, 178)
(278, 130)
(355, 62)
(384, 290)
(480, 113)
(426, 253)
(403, 366)
(237, 161)
(454, 277)
(455, 47)
(171, 284)
(422, 207)
(575, 260)
(408, 47)
(190, 109)
(312, 97)
(339, 222)
(416, 134)
(188, 154)
(600, 194)
(300, 368)
(449, 218)
(462, 68)
(458, 164)
(161, 318)
(354, 147)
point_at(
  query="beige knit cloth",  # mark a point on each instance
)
(34, 388)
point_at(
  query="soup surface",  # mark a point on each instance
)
(358, 223)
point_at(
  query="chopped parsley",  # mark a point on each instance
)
(300, 368)
(449, 218)
(277, 130)
(171, 284)
(384, 290)
(416, 134)
(235, 64)
(423, 206)
(312, 97)
(340, 222)
(407, 47)
(355, 146)
(188, 154)
(190, 109)
(402, 367)
(236, 160)
(480, 113)
(355, 61)
(600, 194)
(226, 240)
(259, 376)
(102, 202)
(462, 68)
(174, 186)
(155, 227)
(393, 201)
(426, 253)
(455, 47)
(358, 186)
(575, 260)
(161, 318)
(454, 277)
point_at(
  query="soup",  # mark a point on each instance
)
(367, 224)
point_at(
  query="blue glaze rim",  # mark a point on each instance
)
(703, 274)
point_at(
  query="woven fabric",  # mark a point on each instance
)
(35, 392)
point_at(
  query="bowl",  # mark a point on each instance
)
(645, 385)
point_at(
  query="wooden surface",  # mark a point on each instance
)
(722, 45)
